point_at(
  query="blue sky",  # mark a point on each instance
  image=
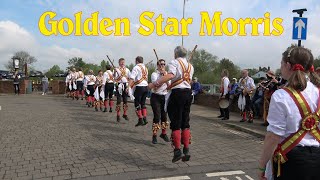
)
(19, 30)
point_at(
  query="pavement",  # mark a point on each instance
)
(53, 137)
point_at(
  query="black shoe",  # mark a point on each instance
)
(125, 117)
(243, 120)
(140, 123)
(145, 121)
(96, 109)
(225, 118)
(186, 156)
(154, 140)
(118, 118)
(105, 110)
(250, 121)
(101, 109)
(220, 116)
(77, 98)
(81, 98)
(265, 124)
(110, 110)
(165, 137)
(176, 155)
(87, 103)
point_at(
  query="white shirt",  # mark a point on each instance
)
(90, 80)
(176, 70)
(284, 117)
(79, 76)
(73, 76)
(226, 83)
(68, 78)
(117, 74)
(162, 90)
(107, 78)
(249, 84)
(136, 74)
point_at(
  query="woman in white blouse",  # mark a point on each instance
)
(291, 146)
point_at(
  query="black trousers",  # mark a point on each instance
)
(179, 109)
(248, 106)
(123, 97)
(16, 88)
(79, 85)
(303, 164)
(225, 111)
(140, 96)
(157, 103)
(108, 90)
(91, 89)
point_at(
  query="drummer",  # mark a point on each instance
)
(224, 112)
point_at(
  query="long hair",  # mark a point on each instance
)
(298, 78)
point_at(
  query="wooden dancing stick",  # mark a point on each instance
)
(194, 49)
(155, 52)
(112, 65)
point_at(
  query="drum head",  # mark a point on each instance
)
(223, 103)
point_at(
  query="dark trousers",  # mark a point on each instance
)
(179, 108)
(16, 88)
(123, 97)
(79, 86)
(303, 164)
(140, 96)
(157, 103)
(108, 90)
(91, 89)
(248, 106)
(225, 111)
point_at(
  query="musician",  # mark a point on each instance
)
(196, 88)
(79, 82)
(157, 103)
(179, 101)
(121, 76)
(98, 86)
(90, 81)
(269, 87)
(232, 89)
(108, 83)
(257, 99)
(68, 84)
(224, 112)
(292, 141)
(247, 85)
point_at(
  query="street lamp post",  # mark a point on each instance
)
(184, 5)
(300, 12)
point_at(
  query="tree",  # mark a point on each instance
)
(54, 70)
(234, 71)
(24, 57)
(203, 61)
(75, 62)
(130, 67)
(316, 62)
(103, 65)
(151, 68)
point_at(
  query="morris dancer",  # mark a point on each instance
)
(157, 103)
(247, 85)
(98, 98)
(68, 84)
(90, 81)
(139, 81)
(224, 90)
(180, 72)
(79, 80)
(108, 83)
(121, 75)
(73, 78)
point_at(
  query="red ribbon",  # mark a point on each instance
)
(298, 67)
(311, 69)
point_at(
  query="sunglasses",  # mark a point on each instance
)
(162, 64)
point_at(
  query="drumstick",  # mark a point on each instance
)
(156, 54)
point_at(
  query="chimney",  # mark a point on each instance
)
(268, 68)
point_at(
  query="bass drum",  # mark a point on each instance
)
(223, 103)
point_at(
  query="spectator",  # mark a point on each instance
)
(233, 87)
(196, 88)
(16, 83)
(257, 99)
(45, 83)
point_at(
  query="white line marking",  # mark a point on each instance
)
(223, 178)
(239, 178)
(226, 173)
(250, 178)
(173, 178)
